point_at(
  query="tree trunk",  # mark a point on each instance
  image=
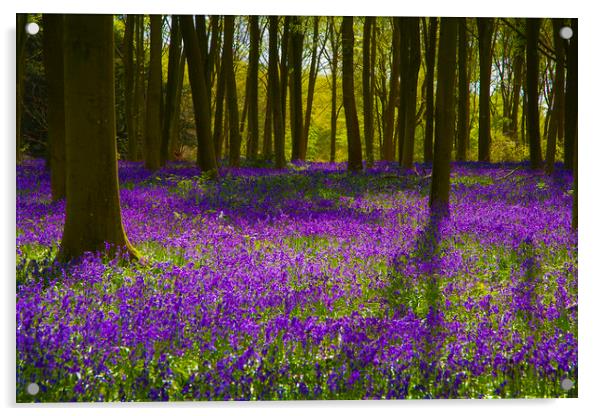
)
(267, 153)
(533, 25)
(129, 75)
(93, 213)
(296, 94)
(444, 128)
(275, 98)
(200, 97)
(311, 85)
(368, 88)
(218, 123)
(284, 68)
(402, 94)
(53, 66)
(231, 94)
(152, 150)
(431, 50)
(485, 29)
(518, 61)
(334, 42)
(252, 88)
(21, 40)
(413, 32)
(139, 99)
(389, 150)
(575, 171)
(463, 92)
(171, 96)
(354, 144)
(174, 127)
(571, 102)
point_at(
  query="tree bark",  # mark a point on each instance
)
(518, 61)
(200, 98)
(571, 102)
(284, 68)
(311, 85)
(431, 51)
(252, 88)
(296, 94)
(152, 150)
(129, 75)
(53, 66)
(21, 40)
(139, 96)
(533, 25)
(231, 93)
(368, 90)
(444, 128)
(171, 96)
(555, 131)
(93, 214)
(388, 149)
(334, 43)
(354, 144)
(275, 98)
(413, 34)
(463, 92)
(485, 29)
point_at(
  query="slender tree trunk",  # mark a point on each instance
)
(354, 144)
(444, 128)
(139, 88)
(152, 153)
(173, 74)
(311, 85)
(413, 32)
(556, 130)
(92, 214)
(212, 57)
(253, 89)
(218, 124)
(334, 42)
(275, 98)
(232, 97)
(284, 68)
(389, 150)
(129, 75)
(53, 66)
(485, 29)
(431, 50)
(518, 61)
(21, 40)
(571, 102)
(174, 126)
(267, 127)
(296, 95)
(575, 171)
(463, 92)
(402, 97)
(533, 25)
(200, 97)
(368, 90)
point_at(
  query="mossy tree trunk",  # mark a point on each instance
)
(533, 26)
(152, 148)
(53, 67)
(485, 29)
(444, 127)
(93, 214)
(200, 97)
(354, 144)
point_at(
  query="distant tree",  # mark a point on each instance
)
(53, 66)
(200, 97)
(275, 98)
(368, 89)
(171, 114)
(431, 50)
(296, 93)
(485, 29)
(413, 68)
(232, 97)
(152, 149)
(354, 144)
(463, 92)
(93, 214)
(444, 127)
(571, 102)
(533, 25)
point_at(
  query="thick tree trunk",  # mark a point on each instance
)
(444, 128)
(389, 150)
(252, 88)
(413, 32)
(463, 92)
(231, 93)
(275, 98)
(354, 144)
(171, 96)
(21, 39)
(93, 214)
(311, 85)
(533, 25)
(152, 149)
(485, 29)
(431, 51)
(296, 94)
(53, 66)
(571, 102)
(368, 90)
(200, 98)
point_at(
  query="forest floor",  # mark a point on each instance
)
(305, 283)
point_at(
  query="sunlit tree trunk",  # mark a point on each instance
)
(93, 214)
(444, 128)
(53, 66)
(533, 25)
(354, 144)
(485, 29)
